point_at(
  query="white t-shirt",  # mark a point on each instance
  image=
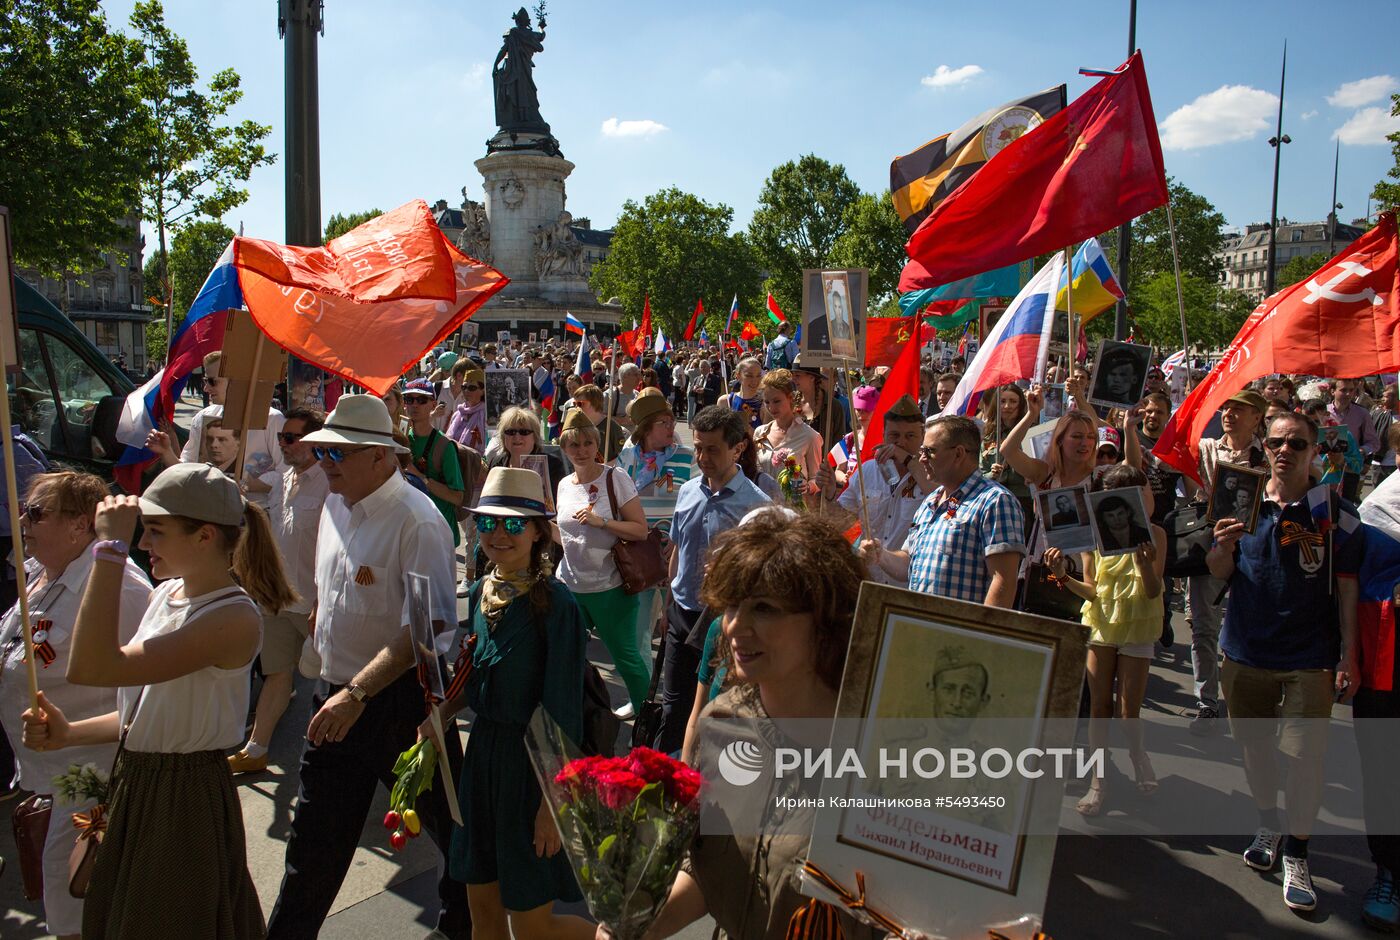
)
(588, 566)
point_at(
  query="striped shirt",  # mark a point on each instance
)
(658, 477)
(952, 536)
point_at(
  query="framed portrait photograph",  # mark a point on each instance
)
(532, 338)
(540, 464)
(833, 316)
(1236, 493)
(471, 333)
(503, 337)
(1037, 440)
(9, 308)
(505, 388)
(960, 855)
(1120, 374)
(1120, 520)
(1064, 515)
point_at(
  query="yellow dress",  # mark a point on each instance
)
(1121, 613)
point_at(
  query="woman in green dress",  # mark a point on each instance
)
(529, 652)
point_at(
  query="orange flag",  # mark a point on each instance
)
(369, 304)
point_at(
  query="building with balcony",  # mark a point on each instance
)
(1244, 256)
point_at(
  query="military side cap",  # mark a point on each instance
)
(905, 407)
(576, 420)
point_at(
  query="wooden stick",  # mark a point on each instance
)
(248, 408)
(1069, 309)
(1180, 297)
(826, 433)
(608, 403)
(16, 539)
(860, 476)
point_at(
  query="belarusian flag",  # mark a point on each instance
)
(774, 313)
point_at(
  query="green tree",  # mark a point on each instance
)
(1388, 194)
(1214, 314)
(874, 238)
(196, 161)
(803, 209)
(73, 140)
(337, 225)
(1298, 268)
(677, 248)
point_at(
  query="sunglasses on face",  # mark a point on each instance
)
(517, 432)
(287, 439)
(336, 454)
(513, 525)
(412, 400)
(34, 514)
(1294, 443)
(471, 388)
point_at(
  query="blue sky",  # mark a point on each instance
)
(711, 97)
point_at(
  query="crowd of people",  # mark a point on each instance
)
(537, 519)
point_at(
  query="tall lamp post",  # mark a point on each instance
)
(1332, 212)
(1277, 141)
(1125, 231)
(299, 23)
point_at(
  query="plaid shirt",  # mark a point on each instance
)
(952, 537)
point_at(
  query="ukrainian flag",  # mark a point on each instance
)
(1095, 286)
(919, 181)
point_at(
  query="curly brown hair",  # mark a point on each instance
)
(805, 564)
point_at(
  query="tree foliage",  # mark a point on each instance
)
(338, 224)
(73, 136)
(197, 161)
(1298, 268)
(803, 209)
(1214, 314)
(677, 248)
(873, 238)
(1388, 194)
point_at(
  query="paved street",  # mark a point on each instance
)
(1110, 879)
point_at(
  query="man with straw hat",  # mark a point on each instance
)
(375, 530)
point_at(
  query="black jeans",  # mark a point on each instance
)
(1372, 715)
(338, 781)
(680, 663)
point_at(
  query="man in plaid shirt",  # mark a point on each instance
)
(967, 538)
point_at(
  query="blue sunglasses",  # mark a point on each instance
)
(514, 525)
(336, 454)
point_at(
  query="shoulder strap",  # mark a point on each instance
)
(437, 448)
(612, 495)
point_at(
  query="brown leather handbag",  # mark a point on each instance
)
(31, 824)
(641, 564)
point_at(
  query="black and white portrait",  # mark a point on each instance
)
(833, 316)
(505, 388)
(1120, 374)
(1236, 494)
(1064, 514)
(471, 333)
(1120, 520)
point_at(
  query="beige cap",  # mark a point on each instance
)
(195, 491)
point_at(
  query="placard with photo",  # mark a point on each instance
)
(503, 337)
(471, 333)
(1120, 520)
(505, 388)
(1064, 516)
(833, 316)
(1237, 493)
(540, 464)
(1120, 374)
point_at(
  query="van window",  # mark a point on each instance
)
(79, 391)
(55, 396)
(32, 403)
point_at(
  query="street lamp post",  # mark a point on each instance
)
(299, 22)
(1332, 213)
(1277, 142)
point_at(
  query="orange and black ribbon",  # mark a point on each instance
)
(42, 647)
(461, 672)
(1305, 538)
(91, 823)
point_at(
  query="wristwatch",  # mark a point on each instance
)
(356, 693)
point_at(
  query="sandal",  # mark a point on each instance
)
(1146, 776)
(1092, 802)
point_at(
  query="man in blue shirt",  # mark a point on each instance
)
(1290, 643)
(706, 505)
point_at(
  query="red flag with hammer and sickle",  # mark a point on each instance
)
(1342, 323)
(885, 337)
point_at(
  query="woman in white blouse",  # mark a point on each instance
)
(787, 435)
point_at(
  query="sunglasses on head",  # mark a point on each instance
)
(517, 432)
(513, 525)
(336, 454)
(1294, 443)
(283, 437)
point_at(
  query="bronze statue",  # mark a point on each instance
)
(517, 100)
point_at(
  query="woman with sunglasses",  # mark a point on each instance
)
(182, 700)
(521, 435)
(57, 525)
(529, 652)
(468, 422)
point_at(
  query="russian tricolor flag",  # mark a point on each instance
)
(1016, 346)
(583, 368)
(153, 405)
(572, 324)
(1376, 582)
(733, 312)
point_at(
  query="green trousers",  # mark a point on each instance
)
(613, 616)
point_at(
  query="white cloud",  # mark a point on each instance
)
(1363, 91)
(612, 127)
(475, 77)
(1367, 126)
(944, 77)
(1308, 115)
(1228, 114)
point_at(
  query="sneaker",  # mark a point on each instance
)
(625, 713)
(464, 587)
(1262, 853)
(1298, 891)
(241, 763)
(1381, 909)
(1206, 722)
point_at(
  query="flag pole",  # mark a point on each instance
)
(1180, 296)
(608, 403)
(858, 441)
(826, 431)
(16, 537)
(1069, 308)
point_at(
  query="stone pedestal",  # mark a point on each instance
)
(524, 193)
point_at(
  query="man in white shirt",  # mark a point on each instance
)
(374, 531)
(629, 376)
(298, 496)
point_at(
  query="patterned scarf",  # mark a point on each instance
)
(653, 466)
(500, 589)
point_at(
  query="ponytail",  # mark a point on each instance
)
(257, 562)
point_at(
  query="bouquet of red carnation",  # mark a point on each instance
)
(625, 822)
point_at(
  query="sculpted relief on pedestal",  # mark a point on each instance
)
(475, 239)
(558, 252)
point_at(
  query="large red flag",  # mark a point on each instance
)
(1095, 165)
(369, 304)
(694, 319)
(645, 328)
(902, 380)
(1343, 322)
(749, 331)
(885, 338)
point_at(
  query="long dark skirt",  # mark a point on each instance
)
(174, 860)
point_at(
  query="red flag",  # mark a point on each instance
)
(885, 338)
(749, 331)
(632, 342)
(1343, 322)
(694, 319)
(369, 304)
(902, 380)
(646, 321)
(1095, 165)
(775, 313)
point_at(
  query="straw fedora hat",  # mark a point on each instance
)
(512, 491)
(358, 419)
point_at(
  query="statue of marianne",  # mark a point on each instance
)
(517, 100)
